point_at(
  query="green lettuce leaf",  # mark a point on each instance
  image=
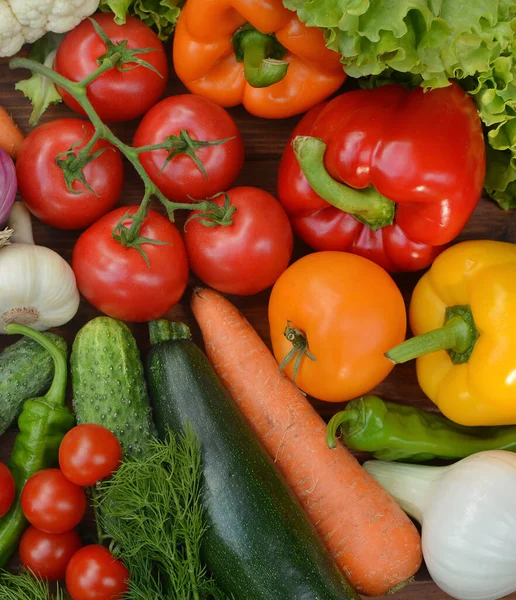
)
(120, 8)
(161, 15)
(38, 89)
(429, 42)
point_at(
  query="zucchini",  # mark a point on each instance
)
(26, 371)
(259, 544)
(108, 383)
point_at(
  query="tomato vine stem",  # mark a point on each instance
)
(173, 144)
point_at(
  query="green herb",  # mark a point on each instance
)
(152, 510)
(27, 587)
(38, 89)
(472, 41)
(162, 15)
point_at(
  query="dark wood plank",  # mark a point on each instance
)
(264, 142)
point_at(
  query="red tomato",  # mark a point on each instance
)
(205, 121)
(248, 256)
(52, 503)
(42, 184)
(7, 489)
(89, 453)
(116, 95)
(117, 280)
(47, 554)
(94, 574)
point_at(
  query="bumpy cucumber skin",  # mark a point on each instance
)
(259, 544)
(26, 371)
(108, 384)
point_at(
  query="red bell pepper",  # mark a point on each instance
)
(391, 174)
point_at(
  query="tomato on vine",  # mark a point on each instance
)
(247, 254)
(136, 282)
(130, 88)
(208, 151)
(60, 189)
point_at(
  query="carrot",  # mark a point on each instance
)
(11, 136)
(370, 537)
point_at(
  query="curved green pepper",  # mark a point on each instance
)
(43, 423)
(398, 432)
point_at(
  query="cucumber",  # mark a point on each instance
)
(259, 544)
(108, 383)
(26, 371)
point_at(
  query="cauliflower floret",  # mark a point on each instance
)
(52, 15)
(11, 33)
(27, 20)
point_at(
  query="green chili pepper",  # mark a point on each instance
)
(43, 423)
(397, 432)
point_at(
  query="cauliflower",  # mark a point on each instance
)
(24, 21)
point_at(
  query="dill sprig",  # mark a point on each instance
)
(151, 509)
(26, 587)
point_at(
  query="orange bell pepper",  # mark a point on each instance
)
(254, 53)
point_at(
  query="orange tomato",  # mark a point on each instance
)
(350, 311)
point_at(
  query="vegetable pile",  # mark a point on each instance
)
(147, 468)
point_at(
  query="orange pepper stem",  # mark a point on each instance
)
(261, 54)
(367, 206)
(458, 337)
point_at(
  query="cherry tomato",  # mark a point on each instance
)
(7, 489)
(248, 256)
(89, 453)
(349, 311)
(204, 121)
(47, 554)
(41, 181)
(52, 503)
(118, 281)
(118, 94)
(94, 574)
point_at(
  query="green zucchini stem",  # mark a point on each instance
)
(162, 330)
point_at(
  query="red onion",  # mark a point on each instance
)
(7, 185)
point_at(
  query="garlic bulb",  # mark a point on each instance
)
(468, 517)
(37, 286)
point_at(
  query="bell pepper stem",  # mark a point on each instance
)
(368, 206)
(261, 54)
(458, 336)
(55, 397)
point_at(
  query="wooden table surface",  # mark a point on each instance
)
(264, 142)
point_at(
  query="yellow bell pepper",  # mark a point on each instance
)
(463, 314)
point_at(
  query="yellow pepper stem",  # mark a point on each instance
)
(458, 337)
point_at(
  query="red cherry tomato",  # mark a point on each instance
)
(117, 280)
(204, 121)
(47, 554)
(94, 574)
(7, 489)
(118, 94)
(248, 256)
(89, 453)
(41, 181)
(52, 503)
